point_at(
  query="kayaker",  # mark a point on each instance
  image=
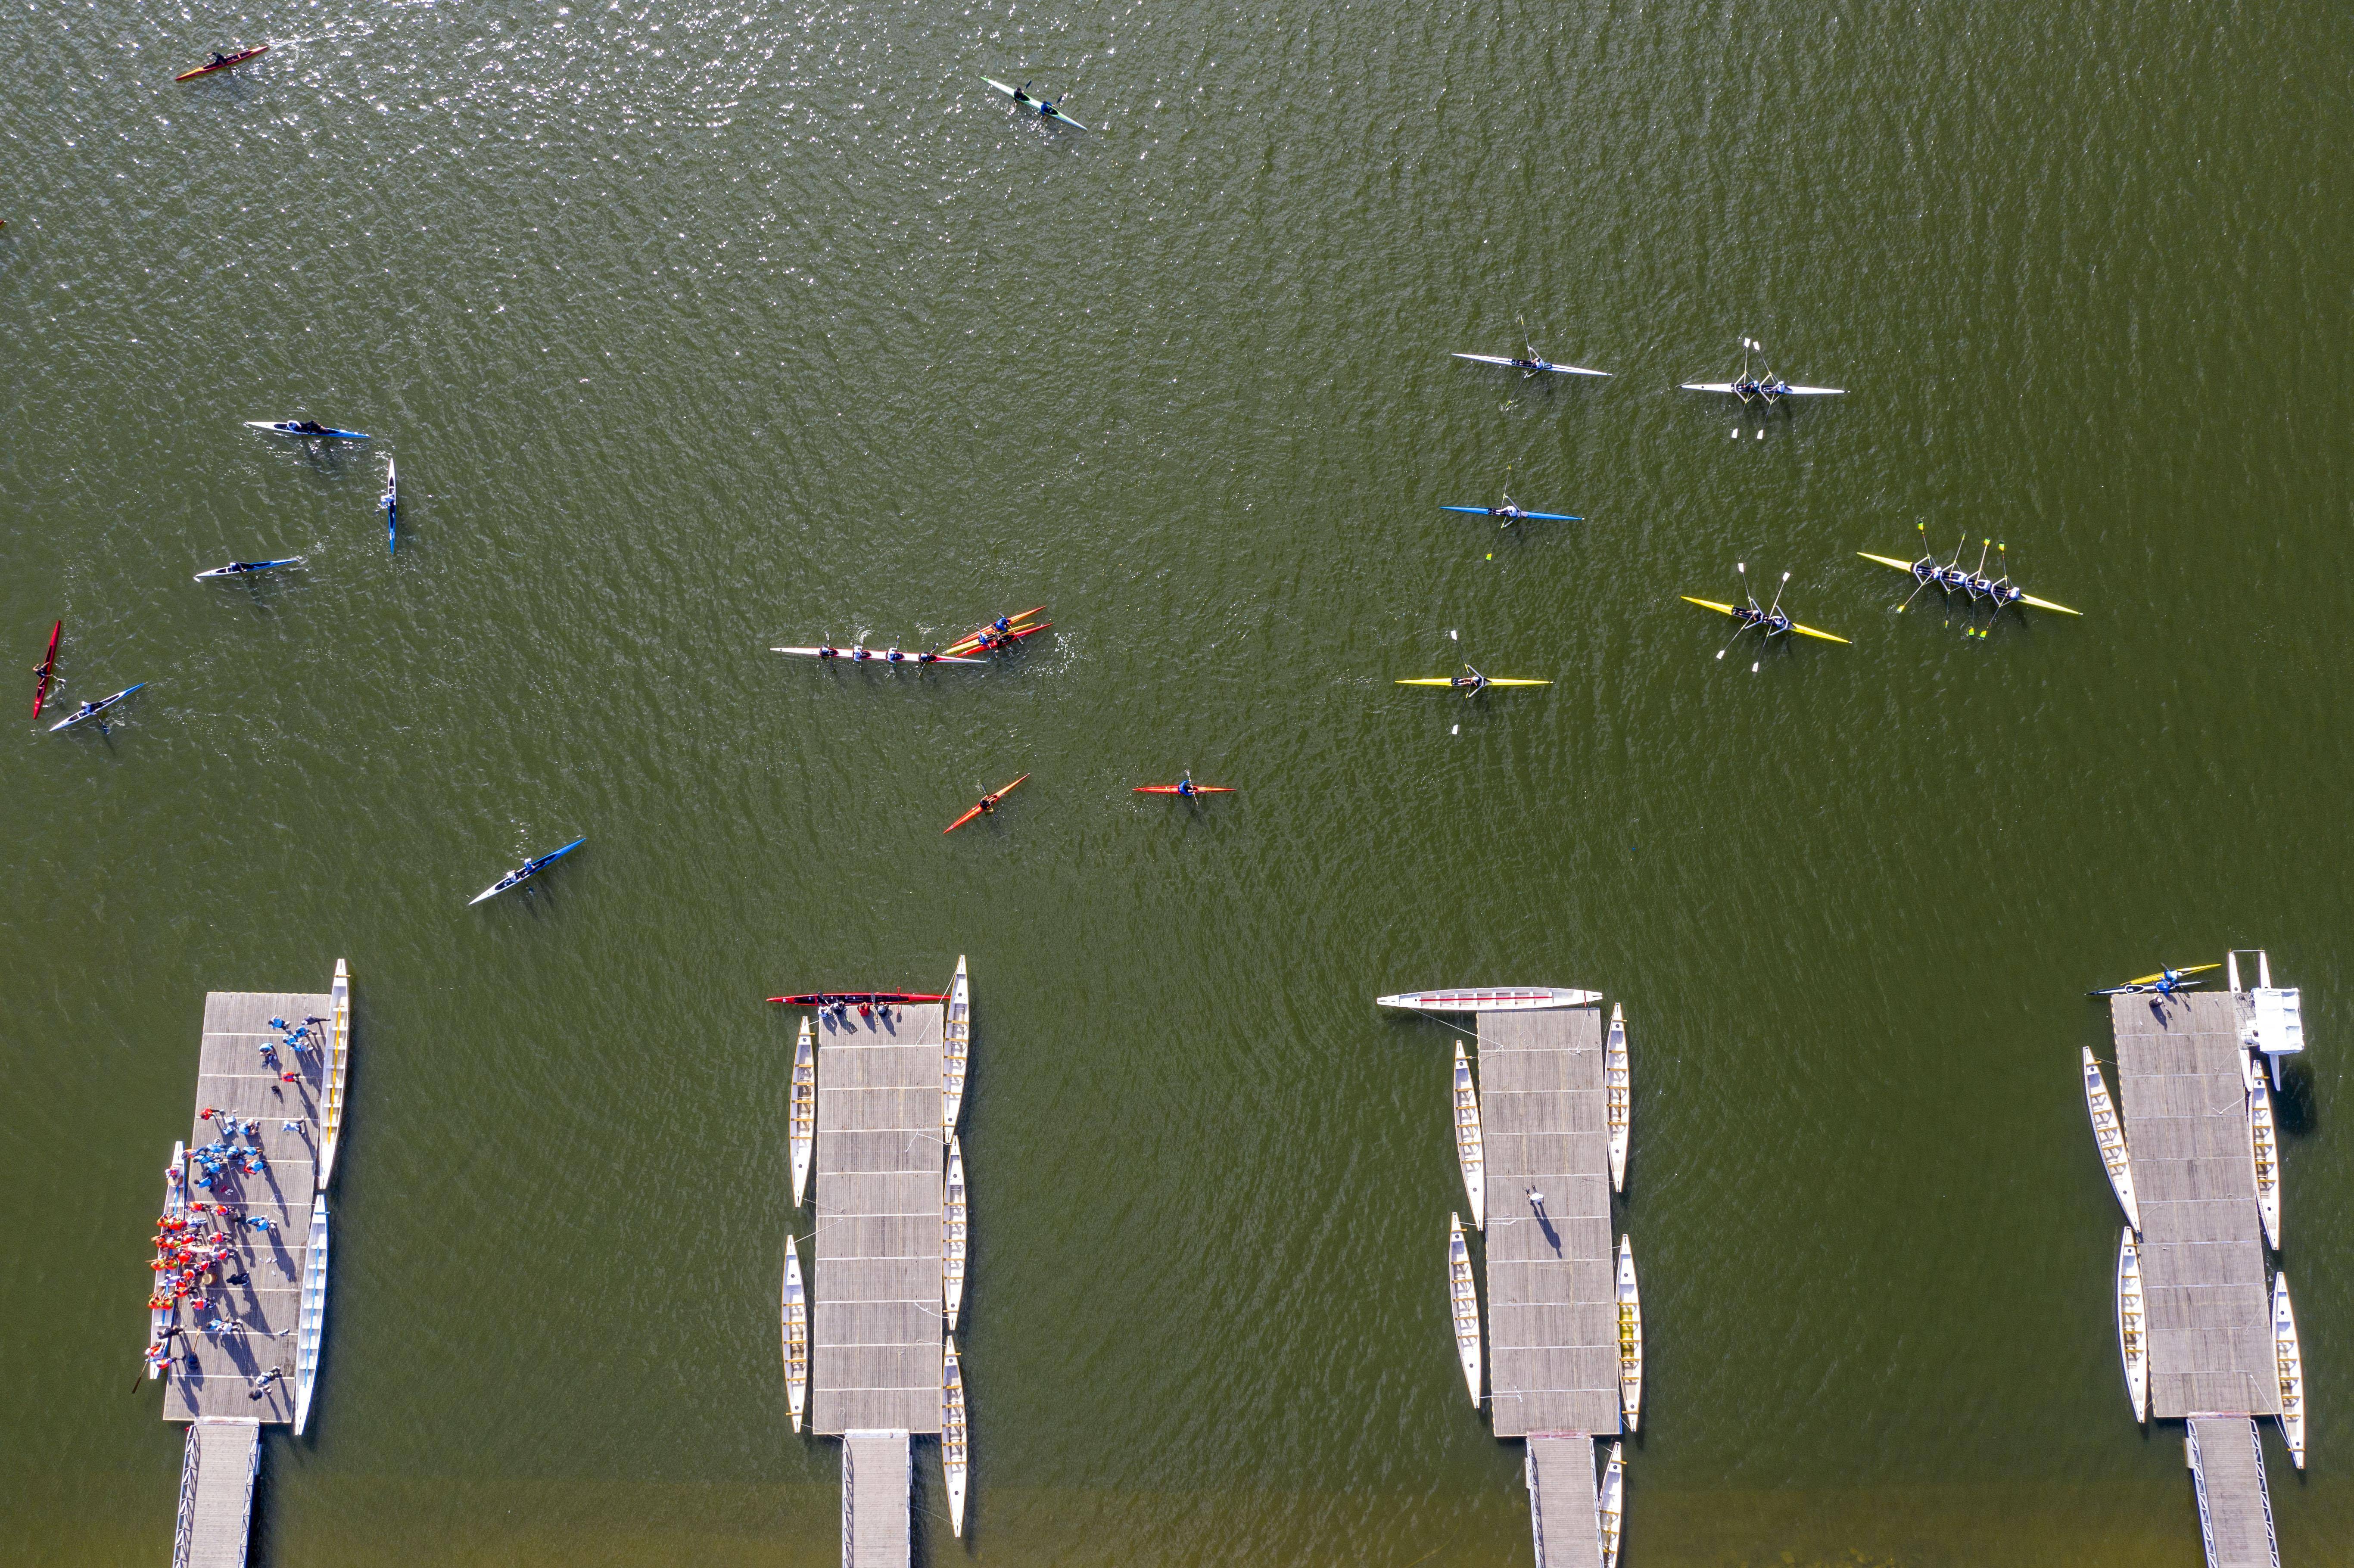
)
(219, 60)
(1185, 786)
(1001, 625)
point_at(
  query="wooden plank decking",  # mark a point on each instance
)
(1552, 1301)
(214, 1374)
(876, 1329)
(2184, 1100)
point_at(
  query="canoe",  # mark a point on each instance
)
(801, 1122)
(1540, 365)
(286, 428)
(336, 1068)
(175, 1201)
(48, 668)
(92, 710)
(1465, 1299)
(953, 1236)
(828, 998)
(794, 1325)
(311, 1320)
(1630, 1339)
(390, 502)
(1618, 1088)
(1524, 517)
(1488, 998)
(956, 1049)
(2133, 1343)
(1785, 392)
(848, 656)
(528, 869)
(2110, 1134)
(985, 804)
(1470, 1152)
(240, 569)
(1610, 1504)
(1172, 789)
(1035, 107)
(2290, 1364)
(224, 63)
(1449, 681)
(2263, 1147)
(956, 1454)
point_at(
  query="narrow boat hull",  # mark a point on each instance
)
(1610, 1504)
(230, 63)
(1785, 392)
(2109, 1134)
(954, 1233)
(2133, 1342)
(1630, 1339)
(48, 668)
(1541, 365)
(285, 427)
(909, 662)
(311, 1321)
(337, 1068)
(2290, 1363)
(1618, 1091)
(794, 1325)
(955, 1445)
(1031, 106)
(1488, 998)
(802, 1111)
(1463, 1300)
(1470, 1151)
(175, 1201)
(2264, 1149)
(956, 1049)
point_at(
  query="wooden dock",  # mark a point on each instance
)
(2207, 1301)
(876, 1326)
(1562, 1501)
(218, 1373)
(1553, 1313)
(2235, 1513)
(217, 1469)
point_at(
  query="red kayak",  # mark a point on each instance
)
(1012, 621)
(986, 803)
(975, 645)
(224, 63)
(870, 998)
(1174, 789)
(49, 666)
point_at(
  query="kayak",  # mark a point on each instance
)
(873, 998)
(971, 644)
(1172, 789)
(92, 710)
(1037, 108)
(239, 569)
(1490, 999)
(391, 503)
(1783, 392)
(528, 868)
(48, 668)
(973, 641)
(224, 63)
(1524, 517)
(869, 656)
(1530, 366)
(1449, 681)
(286, 428)
(985, 804)
(1728, 609)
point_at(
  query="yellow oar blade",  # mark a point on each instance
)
(2063, 610)
(1706, 604)
(1810, 631)
(2192, 970)
(1886, 560)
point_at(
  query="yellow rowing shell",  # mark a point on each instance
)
(1728, 609)
(1449, 679)
(1906, 567)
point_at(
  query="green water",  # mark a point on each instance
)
(696, 331)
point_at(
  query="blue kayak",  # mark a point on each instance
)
(527, 868)
(1515, 515)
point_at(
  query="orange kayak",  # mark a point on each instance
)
(224, 63)
(986, 803)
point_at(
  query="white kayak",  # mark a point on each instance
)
(1037, 108)
(240, 569)
(1490, 999)
(1736, 389)
(1532, 365)
(871, 656)
(292, 427)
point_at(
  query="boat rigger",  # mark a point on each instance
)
(1950, 577)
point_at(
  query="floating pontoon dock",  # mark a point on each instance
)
(888, 1084)
(247, 1361)
(1543, 1112)
(2185, 1078)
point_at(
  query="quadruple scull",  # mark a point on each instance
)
(1950, 577)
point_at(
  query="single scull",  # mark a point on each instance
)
(240, 569)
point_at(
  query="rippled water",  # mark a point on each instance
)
(699, 331)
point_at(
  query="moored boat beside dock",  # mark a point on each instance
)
(794, 1325)
(1464, 1297)
(176, 1204)
(1610, 1505)
(956, 1053)
(801, 1126)
(953, 1238)
(956, 1456)
(2133, 1346)
(1488, 998)
(1630, 1339)
(1467, 1148)
(2289, 1361)
(2263, 1148)
(311, 1321)
(2110, 1134)
(1619, 1094)
(336, 1068)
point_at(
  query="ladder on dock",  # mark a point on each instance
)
(2235, 1512)
(216, 1474)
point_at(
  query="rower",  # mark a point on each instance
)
(894, 656)
(860, 654)
(1470, 681)
(1507, 511)
(828, 650)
